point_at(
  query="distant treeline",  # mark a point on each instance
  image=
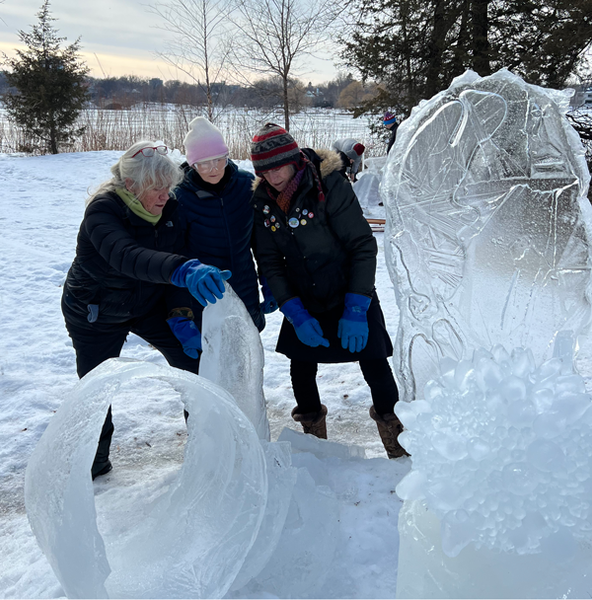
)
(126, 91)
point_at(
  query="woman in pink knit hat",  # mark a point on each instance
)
(214, 197)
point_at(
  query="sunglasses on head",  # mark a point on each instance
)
(149, 151)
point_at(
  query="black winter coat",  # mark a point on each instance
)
(319, 251)
(220, 227)
(123, 263)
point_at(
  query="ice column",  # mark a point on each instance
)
(233, 357)
(488, 224)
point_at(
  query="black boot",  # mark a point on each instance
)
(102, 465)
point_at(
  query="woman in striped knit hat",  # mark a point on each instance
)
(318, 254)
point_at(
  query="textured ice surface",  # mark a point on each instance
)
(501, 472)
(199, 532)
(281, 479)
(233, 357)
(488, 224)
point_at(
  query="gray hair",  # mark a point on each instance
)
(146, 172)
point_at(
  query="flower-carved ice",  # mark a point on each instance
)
(502, 451)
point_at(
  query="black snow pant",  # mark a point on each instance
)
(377, 373)
(96, 342)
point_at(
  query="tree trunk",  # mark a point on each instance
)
(53, 139)
(286, 105)
(480, 40)
(435, 48)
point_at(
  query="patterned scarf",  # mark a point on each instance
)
(284, 198)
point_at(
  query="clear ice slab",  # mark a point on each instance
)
(233, 357)
(488, 225)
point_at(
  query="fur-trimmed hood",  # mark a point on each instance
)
(330, 161)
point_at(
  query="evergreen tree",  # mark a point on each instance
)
(48, 85)
(414, 48)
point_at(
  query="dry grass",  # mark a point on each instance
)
(119, 129)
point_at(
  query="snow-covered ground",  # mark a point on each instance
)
(43, 202)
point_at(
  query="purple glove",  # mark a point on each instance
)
(307, 328)
(205, 282)
(353, 325)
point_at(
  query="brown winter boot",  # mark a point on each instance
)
(314, 423)
(389, 428)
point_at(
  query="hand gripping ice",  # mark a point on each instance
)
(205, 282)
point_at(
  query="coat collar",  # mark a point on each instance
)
(329, 161)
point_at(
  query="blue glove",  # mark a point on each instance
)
(205, 282)
(269, 304)
(187, 333)
(353, 325)
(307, 328)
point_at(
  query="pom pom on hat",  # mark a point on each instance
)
(389, 118)
(273, 147)
(359, 149)
(203, 141)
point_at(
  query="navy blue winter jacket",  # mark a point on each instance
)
(219, 229)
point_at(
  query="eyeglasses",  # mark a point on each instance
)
(207, 166)
(148, 152)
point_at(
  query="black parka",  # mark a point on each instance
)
(123, 263)
(320, 250)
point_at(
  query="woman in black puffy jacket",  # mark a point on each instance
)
(127, 257)
(318, 254)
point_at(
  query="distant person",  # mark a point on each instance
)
(128, 274)
(215, 201)
(319, 256)
(350, 151)
(390, 122)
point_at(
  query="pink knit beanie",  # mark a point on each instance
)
(203, 141)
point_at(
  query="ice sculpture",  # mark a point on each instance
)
(488, 225)
(499, 501)
(367, 186)
(199, 532)
(233, 357)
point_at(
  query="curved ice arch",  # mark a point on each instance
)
(185, 548)
(488, 224)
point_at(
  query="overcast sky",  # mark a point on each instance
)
(119, 37)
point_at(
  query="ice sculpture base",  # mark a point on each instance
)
(426, 572)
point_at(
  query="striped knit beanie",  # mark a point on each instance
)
(273, 147)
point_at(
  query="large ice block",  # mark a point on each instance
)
(198, 533)
(233, 357)
(488, 224)
(498, 503)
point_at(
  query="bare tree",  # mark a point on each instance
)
(199, 44)
(275, 36)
